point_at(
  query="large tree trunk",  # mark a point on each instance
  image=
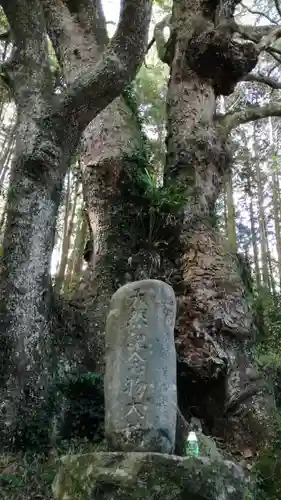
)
(215, 324)
(111, 152)
(49, 129)
(111, 145)
(26, 326)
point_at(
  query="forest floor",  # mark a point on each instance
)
(30, 476)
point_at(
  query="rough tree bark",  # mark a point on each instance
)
(108, 149)
(109, 146)
(49, 128)
(215, 324)
(215, 328)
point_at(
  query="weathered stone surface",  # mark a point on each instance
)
(140, 378)
(147, 476)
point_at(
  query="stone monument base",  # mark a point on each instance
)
(147, 476)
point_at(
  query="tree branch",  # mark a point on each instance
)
(254, 33)
(97, 87)
(150, 44)
(259, 78)
(277, 6)
(89, 14)
(159, 37)
(258, 13)
(225, 10)
(267, 40)
(263, 36)
(72, 34)
(250, 113)
(28, 69)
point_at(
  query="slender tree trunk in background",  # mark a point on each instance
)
(225, 219)
(270, 270)
(275, 206)
(60, 274)
(254, 234)
(68, 229)
(231, 219)
(78, 260)
(272, 286)
(2, 221)
(6, 153)
(75, 261)
(277, 218)
(262, 223)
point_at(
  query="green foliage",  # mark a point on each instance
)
(165, 5)
(155, 207)
(23, 477)
(268, 357)
(83, 415)
(66, 383)
(73, 408)
(11, 481)
(163, 202)
(161, 198)
(30, 476)
(268, 351)
(33, 423)
(267, 469)
(4, 25)
(130, 97)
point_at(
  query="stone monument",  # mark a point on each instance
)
(141, 411)
(140, 374)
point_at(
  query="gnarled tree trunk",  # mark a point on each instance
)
(215, 324)
(215, 328)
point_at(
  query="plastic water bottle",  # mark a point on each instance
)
(191, 446)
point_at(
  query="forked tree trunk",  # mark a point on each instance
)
(50, 125)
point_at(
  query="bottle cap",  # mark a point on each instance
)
(192, 436)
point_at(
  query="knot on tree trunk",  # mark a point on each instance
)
(213, 54)
(205, 145)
